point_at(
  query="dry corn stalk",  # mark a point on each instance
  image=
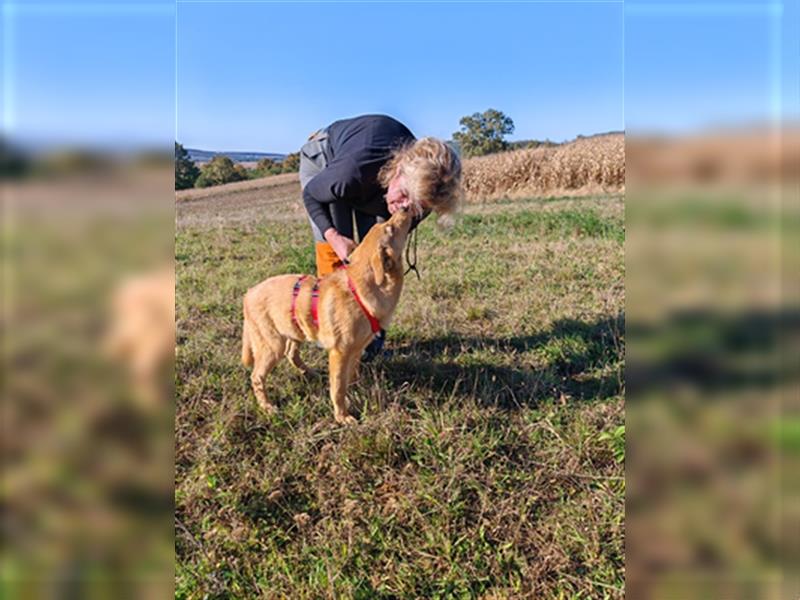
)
(585, 166)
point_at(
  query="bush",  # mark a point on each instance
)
(219, 170)
(13, 162)
(267, 166)
(241, 172)
(291, 164)
(523, 144)
(72, 161)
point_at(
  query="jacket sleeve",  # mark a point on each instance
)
(337, 182)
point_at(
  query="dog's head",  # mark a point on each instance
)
(383, 246)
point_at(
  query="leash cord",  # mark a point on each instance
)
(412, 265)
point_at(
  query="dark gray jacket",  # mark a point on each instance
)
(357, 149)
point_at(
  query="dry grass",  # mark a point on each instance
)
(276, 198)
(271, 183)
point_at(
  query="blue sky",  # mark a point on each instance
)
(88, 73)
(263, 76)
(695, 65)
(260, 76)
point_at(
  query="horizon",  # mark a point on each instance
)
(580, 135)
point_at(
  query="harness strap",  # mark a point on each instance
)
(373, 322)
(295, 293)
(315, 303)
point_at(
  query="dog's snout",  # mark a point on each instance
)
(403, 218)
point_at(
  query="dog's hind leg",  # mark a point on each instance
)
(247, 349)
(340, 369)
(293, 354)
(266, 357)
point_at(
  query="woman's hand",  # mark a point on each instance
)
(342, 245)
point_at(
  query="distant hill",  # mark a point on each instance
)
(203, 156)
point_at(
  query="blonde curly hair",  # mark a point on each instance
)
(432, 172)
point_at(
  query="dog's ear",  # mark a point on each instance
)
(377, 267)
(382, 262)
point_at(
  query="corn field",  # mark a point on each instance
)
(585, 166)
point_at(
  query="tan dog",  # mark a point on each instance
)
(141, 333)
(270, 331)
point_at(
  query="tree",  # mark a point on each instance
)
(241, 172)
(265, 165)
(291, 164)
(268, 166)
(483, 133)
(13, 162)
(186, 172)
(219, 170)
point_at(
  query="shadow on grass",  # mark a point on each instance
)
(581, 361)
(714, 352)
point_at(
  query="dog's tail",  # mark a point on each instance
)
(247, 348)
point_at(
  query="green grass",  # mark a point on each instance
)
(581, 223)
(105, 455)
(488, 459)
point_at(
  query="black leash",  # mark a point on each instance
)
(412, 265)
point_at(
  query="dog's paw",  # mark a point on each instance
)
(269, 409)
(346, 420)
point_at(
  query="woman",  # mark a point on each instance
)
(359, 171)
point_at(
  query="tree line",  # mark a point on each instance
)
(221, 169)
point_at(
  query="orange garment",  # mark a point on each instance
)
(327, 260)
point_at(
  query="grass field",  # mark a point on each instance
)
(489, 456)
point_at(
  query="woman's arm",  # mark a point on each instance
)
(335, 183)
(317, 210)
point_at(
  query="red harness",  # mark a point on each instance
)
(295, 292)
(374, 324)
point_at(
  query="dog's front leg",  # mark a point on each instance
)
(340, 366)
(353, 377)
